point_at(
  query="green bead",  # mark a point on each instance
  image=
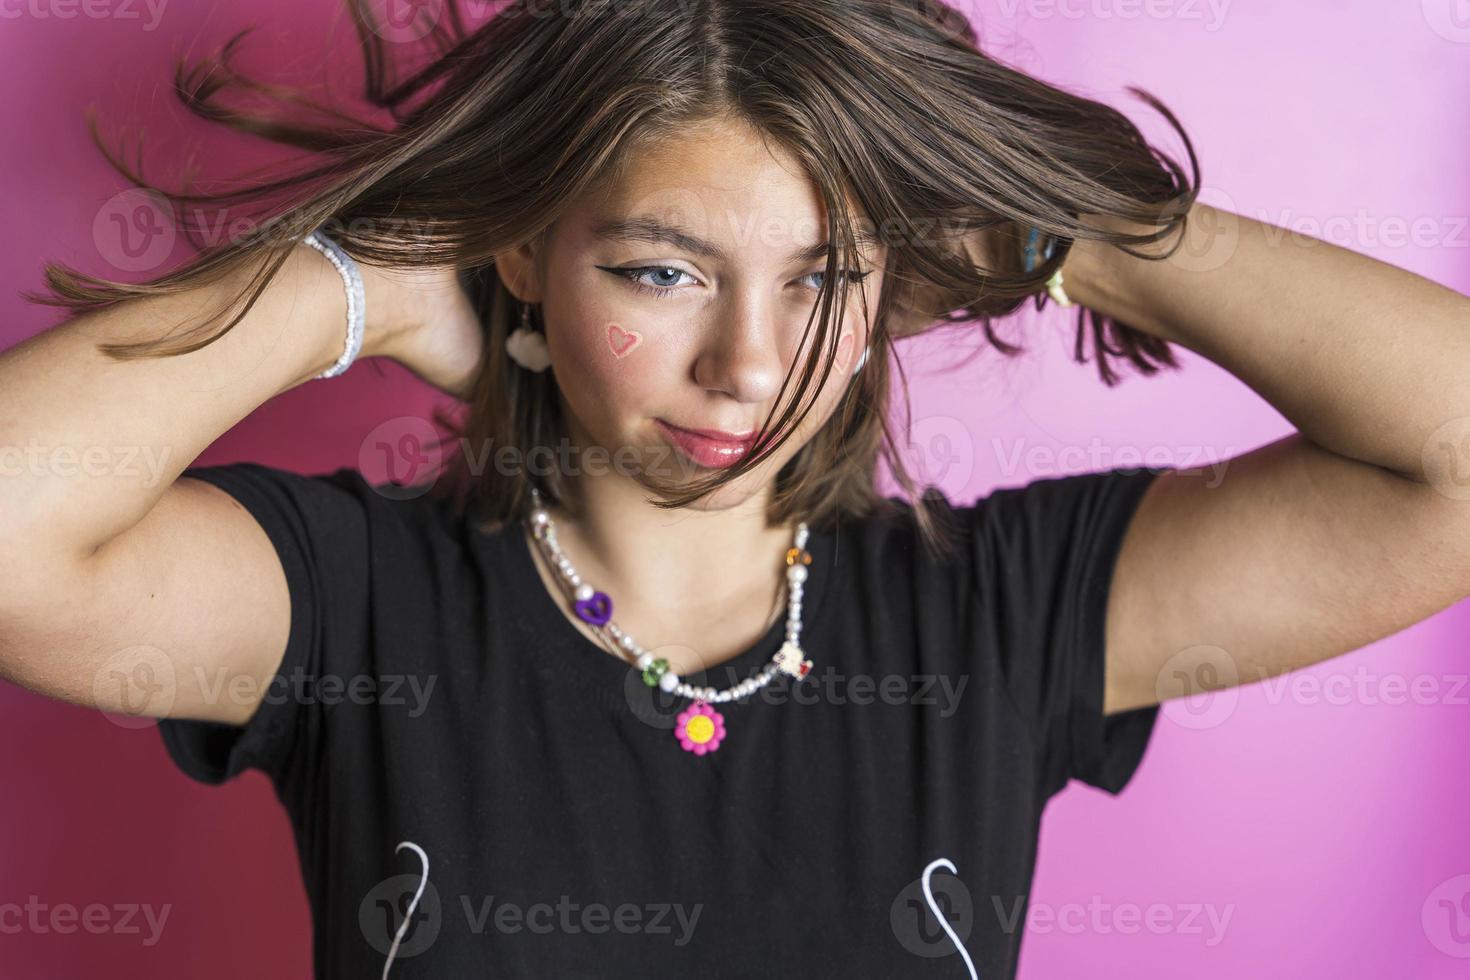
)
(652, 671)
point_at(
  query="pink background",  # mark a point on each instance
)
(1329, 830)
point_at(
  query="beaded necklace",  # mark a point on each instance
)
(699, 728)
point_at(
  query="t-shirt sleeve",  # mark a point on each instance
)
(1047, 551)
(318, 525)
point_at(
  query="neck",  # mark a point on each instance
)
(669, 565)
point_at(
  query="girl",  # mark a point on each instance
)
(646, 678)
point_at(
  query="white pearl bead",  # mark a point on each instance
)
(545, 529)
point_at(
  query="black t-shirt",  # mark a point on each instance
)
(435, 704)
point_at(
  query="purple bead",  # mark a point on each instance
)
(596, 610)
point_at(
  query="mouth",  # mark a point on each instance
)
(707, 447)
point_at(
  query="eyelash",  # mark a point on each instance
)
(659, 292)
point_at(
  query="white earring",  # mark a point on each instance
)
(861, 361)
(528, 347)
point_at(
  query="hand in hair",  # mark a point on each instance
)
(426, 322)
(920, 304)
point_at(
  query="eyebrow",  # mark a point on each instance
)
(649, 231)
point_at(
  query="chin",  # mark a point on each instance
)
(736, 493)
(726, 498)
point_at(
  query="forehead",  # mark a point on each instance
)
(716, 190)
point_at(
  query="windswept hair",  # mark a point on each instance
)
(904, 126)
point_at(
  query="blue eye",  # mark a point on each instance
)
(852, 277)
(636, 277)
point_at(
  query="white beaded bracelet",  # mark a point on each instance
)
(356, 301)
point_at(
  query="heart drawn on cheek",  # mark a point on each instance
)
(622, 341)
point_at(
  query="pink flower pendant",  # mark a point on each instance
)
(700, 728)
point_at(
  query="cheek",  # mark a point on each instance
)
(613, 356)
(621, 340)
(603, 341)
(843, 360)
(842, 364)
(624, 357)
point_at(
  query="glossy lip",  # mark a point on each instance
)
(714, 434)
(706, 447)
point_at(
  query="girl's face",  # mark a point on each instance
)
(680, 299)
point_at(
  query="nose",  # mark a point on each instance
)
(743, 356)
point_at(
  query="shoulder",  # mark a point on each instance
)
(1013, 521)
(339, 508)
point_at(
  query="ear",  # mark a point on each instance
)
(517, 270)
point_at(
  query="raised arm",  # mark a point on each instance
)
(1324, 541)
(112, 562)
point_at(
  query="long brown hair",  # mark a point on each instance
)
(889, 104)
